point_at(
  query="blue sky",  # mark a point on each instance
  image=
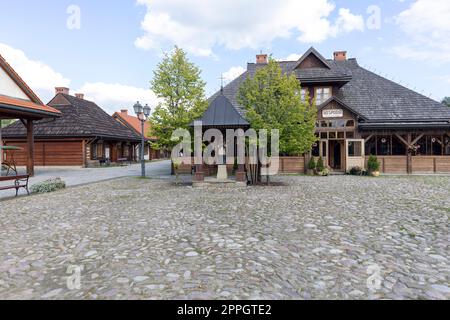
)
(111, 57)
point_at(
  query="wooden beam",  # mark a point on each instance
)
(399, 137)
(369, 137)
(30, 147)
(417, 139)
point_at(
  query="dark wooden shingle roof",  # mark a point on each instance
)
(222, 113)
(79, 118)
(375, 98)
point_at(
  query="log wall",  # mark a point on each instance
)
(53, 153)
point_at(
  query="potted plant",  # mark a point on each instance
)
(176, 167)
(373, 166)
(311, 167)
(320, 166)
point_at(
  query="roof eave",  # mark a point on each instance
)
(39, 113)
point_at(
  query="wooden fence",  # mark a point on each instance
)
(419, 164)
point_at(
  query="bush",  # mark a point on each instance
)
(373, 165)
(320, 165)
(356, 171)
(48, 186)
(312, 164)
(325, 172)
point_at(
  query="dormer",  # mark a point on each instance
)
(313, 70)
(312, 59)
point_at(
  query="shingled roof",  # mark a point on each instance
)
(79, 119)
(222, 113)
(375, 98)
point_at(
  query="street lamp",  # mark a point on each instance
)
(143, 113)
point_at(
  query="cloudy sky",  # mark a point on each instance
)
(109, 49)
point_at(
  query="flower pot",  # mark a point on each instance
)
(375, 174)
(310, 172)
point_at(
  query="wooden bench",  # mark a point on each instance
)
(124, 161)
(104, 162)
(19, 182)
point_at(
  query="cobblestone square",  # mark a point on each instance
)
(339, 237)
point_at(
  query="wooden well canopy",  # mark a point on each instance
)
(18, 101)
(27, 112)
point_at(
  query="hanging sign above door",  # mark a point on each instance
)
(333, 113)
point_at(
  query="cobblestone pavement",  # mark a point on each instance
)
(74, 176)
(303, 238)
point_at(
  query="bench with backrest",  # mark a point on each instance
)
(20, 181)
(124, 161)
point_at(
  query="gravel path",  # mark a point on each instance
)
(305, 238)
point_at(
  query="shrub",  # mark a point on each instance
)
(325, 172)
(373, 165)
(312, 164)
(356, 171)
(320, 165)
(48, 186)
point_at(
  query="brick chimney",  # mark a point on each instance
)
(62, 90)
(79, 96)
(124, 112)
(340, 56)
(262, 59)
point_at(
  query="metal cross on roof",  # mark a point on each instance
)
(222, 78)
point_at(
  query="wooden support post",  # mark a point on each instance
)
(240, 174)
(199, 174)
(409, 165)
(30, 147)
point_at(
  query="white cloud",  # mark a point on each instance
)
(38, 75)
(427, 26)
(200, 25)
(113, 97)
(42, 78)
(292, 57)
(233, 73)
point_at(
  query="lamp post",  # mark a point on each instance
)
(142, 113)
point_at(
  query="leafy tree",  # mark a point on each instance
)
(446, 101)
(5, 123)
(177, 83)
(273, 101)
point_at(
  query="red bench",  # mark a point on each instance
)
(19, 182)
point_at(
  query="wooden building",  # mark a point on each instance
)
(18, 101)
(83, 135)
(133, 123)
(361, 113)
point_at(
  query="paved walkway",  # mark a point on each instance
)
(74, 176)
(302, 238)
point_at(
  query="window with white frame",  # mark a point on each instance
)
(303, 94)
(322, 94)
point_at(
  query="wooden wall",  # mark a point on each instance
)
(292, 165)
(288, 165)
(50, 153)
(420, 164)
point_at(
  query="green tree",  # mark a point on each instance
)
(5, 123)
(273, 100)
(446, 101)
(177, 83)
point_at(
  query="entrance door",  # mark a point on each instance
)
(355, 152)
(336, 155)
